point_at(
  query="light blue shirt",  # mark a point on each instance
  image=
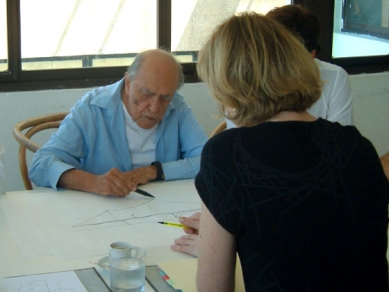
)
(93, 138)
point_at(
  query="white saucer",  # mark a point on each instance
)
(104, 263)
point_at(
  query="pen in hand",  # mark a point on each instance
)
(144, 193)
(173, 224)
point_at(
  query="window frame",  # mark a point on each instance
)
(16, 79)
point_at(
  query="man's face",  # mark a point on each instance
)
(148, 96)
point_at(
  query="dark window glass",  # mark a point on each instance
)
(368, 17)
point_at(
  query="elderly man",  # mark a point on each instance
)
(125, 134)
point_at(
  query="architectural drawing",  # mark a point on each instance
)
(149, 211)
(53, 282)
(77, 225)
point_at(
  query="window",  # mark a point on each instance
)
(3, 37)
(366, 17)
(87, 33)
(361, 28)
(193, 20)
(91, 42)
(85, 43)
(357, 51)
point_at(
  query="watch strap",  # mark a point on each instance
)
(160, 174)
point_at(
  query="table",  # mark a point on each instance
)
(44, 230)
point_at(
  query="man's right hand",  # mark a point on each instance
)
(113, 183)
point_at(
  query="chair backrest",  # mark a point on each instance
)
(24, 130)
(219, 128)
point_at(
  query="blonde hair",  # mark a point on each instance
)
(254, 65)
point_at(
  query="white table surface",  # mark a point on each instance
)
(44, 230)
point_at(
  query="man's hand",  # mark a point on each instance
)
(113, 183)
(141, 175)
(188, 243)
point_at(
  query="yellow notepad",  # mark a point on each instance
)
(182, 274)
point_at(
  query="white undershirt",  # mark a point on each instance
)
(141, 142)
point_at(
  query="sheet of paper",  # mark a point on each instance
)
(62, 281)
(73, 225)
(182, 274)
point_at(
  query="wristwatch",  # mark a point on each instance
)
(160, 174)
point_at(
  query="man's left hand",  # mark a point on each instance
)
(140, 175)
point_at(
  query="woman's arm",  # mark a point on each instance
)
(217, 255)
(385, 164)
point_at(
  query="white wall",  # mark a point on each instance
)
(371, 105)
(371, 108)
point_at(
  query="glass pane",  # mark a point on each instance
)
(361, 28)
(86, 33)
(3, 36)
(194, 20)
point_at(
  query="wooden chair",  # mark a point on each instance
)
(30, 128)
(219, 128)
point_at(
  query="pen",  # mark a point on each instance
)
(143, 193)
(173, 224)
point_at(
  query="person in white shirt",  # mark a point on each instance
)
(335, 103)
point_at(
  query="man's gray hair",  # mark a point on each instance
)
(138, 61)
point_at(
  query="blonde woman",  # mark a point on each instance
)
(303, 201)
